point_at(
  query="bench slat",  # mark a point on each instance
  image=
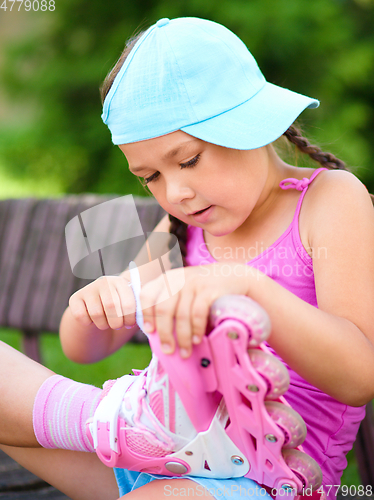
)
(64, 282)
(4, 217)
(15, 233)
(44, 289)
(27, 278)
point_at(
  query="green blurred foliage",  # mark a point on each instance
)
(323, 48)
(122, 361)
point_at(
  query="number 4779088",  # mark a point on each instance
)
(27, 5)
(343, 490)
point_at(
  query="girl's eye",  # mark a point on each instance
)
(151, 178)
(189, 163)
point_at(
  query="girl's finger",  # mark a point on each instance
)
(183, 323)
(127, 301)
(151, 294)
(79, 310)
(96, 312)
(164, 318)
(112, 306)
(200, 311)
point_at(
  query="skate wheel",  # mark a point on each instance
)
(272, 370)
(245, 310)
(304, 467)
(289, 421)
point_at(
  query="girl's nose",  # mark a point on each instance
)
(177, 192)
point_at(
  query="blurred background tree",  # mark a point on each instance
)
(50, 75)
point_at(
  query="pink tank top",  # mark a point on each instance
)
(332, 426)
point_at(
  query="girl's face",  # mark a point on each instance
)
(187, 176)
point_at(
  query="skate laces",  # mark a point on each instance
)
(142, 403)
(143, 407)
(136, 286)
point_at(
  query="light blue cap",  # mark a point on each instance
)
(197, 76)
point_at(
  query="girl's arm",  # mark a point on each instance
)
(86, 342)
(91, 328)
(332, 347)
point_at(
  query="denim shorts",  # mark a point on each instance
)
(235, 489)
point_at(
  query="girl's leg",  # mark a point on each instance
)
(20, 379)
(79, 475)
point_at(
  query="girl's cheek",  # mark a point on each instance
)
(154, 189)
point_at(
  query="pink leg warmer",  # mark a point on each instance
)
(61, 408)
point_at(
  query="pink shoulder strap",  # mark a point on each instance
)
(300, 185)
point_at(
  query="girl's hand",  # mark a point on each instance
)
(107, 302)
(189, 308)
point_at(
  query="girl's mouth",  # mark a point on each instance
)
(201, 211)
(203, 215)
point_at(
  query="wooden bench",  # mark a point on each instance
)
(36, 282)
(36, 279)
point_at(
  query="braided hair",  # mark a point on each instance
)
(293, 135)
(327, 160)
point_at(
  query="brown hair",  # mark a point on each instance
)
(107, 83)
(293, 135)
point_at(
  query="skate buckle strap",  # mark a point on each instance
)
(106, 414)
(136, 286)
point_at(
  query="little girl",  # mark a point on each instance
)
(195, 118)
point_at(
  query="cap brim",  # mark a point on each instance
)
(256, 122)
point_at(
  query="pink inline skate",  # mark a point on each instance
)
(219, 413)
